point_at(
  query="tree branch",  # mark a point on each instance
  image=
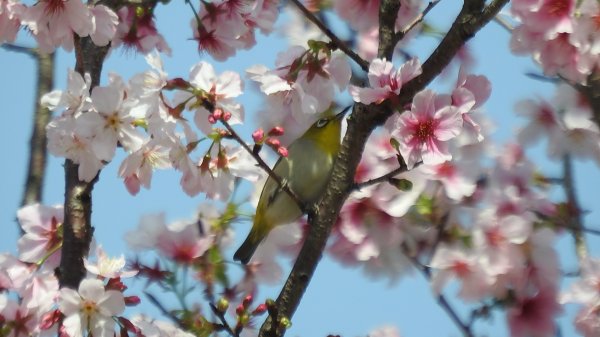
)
(576, 223)
(341, 45)
(77, 224)
(401, 34)
(443, 302)
(388, 12)
(36, 170)
(361, 124)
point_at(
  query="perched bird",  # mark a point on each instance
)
(305, 171)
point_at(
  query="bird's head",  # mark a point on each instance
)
(326, 131)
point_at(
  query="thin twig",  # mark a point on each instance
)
(36, 170)
(20, 49)
(384, 178)
(338, 43)
(402, 33)
(503, 23)
(261, 163)
(164, 310)
(442, 301)
(576, 222)
(224, 322)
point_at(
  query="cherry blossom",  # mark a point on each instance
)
(218, 91)
(424, 130)
(137, 30)
(385, 81)
(64, 141)
(10, 13)
(137, 168)
(91, 308)
(105, 23)
(465, 265)
(534, 315)
(54, 22)
(108, 267)
(75, 99)
(303, 83)
(111, 122)
(42, 234)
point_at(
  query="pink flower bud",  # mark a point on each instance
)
(239, 310)
(273, 142)
(211, 119)
(49, 319)
(260, 309)
(283, 151)
(276, 131)
(115, 284)
(247, 301)
(131, 301)
(258, 135)
(217, 114)
(226, 116)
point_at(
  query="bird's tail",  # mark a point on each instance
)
(247, 249)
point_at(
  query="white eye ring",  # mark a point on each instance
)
(322, 122)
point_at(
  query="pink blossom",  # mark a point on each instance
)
(456, 179)
(10, 13)
(75, 100)
(111, 122)
(105, 24)
(360, 14)
(549, 17)
(424, 130)
(19, 320)
(587, 322)
(151, 327)
(499, 241)
(64, 141)
(137, 30)
(53, 22)
(385, 81)
(221, 30)
(302, 84)
(543, 120)
(40, 291)
(219, 90)
(534, 315)
(137, 168)
(108, 267)
(465, 265)
(182, 241)
(385, 331)
(91, 308)
(42, 239)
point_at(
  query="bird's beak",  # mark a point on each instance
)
(343, 112)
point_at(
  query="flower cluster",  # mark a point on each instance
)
(92, 308)
(222, 27)
(54, 22)
(138, 117)
(566, 121)
(562, 35)
(301, 86)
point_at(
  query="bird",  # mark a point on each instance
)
(305, 170)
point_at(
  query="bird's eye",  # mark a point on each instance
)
(322, 122)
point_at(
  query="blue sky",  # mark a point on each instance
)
(339, 300)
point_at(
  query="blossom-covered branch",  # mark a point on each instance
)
(361, 124)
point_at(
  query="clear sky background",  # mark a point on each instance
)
(339, 300)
